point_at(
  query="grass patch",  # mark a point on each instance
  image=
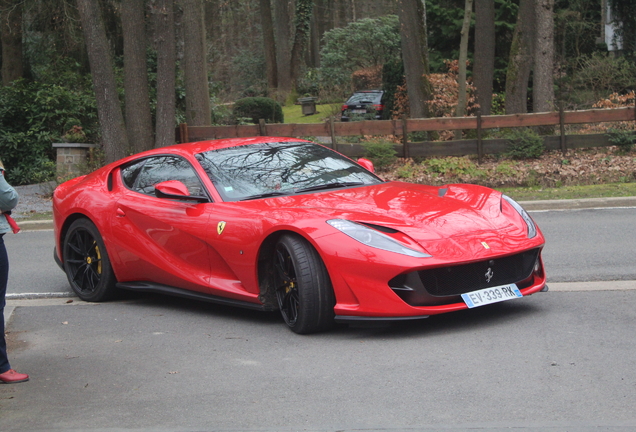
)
(572, 192)
(34, 217)
(294, 113)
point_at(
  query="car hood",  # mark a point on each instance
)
(424, 213)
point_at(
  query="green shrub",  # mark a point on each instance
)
(451, 166)
(524, 143)
(257, 108)
(623, 139)
(382, 153)
(33, 115)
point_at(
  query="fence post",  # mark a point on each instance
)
(183, 133)
(480, 143)
(262, 127)
(405, 139)
(564, 149)
(332, 129)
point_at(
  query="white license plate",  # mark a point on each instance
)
(359, 111)
(491, 295)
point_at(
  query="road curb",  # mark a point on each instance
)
(581, 203)
(35, 225)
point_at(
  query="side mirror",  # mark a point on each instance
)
(174, 189)
(367, 164)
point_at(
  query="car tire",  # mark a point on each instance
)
(87, 264)
(303, 287)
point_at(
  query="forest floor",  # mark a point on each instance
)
(596, 166)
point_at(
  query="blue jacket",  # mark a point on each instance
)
(8, 201)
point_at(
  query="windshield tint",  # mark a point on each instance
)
(273, 169)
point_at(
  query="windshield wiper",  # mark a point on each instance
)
(264, 195)
(330, 186)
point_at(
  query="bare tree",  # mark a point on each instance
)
(463, 56)
(137, 112)
(282, 18)
(543, 78)
(484, 64)
(304, 11)
(520, 63)
(412, 15)
(269, 44)
(11, 33)
(111, 120)
(198, 111)
(164, 41)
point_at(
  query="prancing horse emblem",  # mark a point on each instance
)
(489, 274)
(220, 227)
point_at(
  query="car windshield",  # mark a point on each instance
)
(273, 169)
(370, 97)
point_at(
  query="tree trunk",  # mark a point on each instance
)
(138, 119)
(11, 33)
(484, 66)
(197, 90)
(164, 42)
(283, 52)
(304, 10)
(412, 14)
(111, 120)
(269, 45)
(543, 78)
(463, 57)
(520, 63)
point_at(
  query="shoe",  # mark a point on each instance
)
(12, 377)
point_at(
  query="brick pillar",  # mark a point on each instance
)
(71, 157)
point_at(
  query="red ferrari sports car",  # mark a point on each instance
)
(285, 224)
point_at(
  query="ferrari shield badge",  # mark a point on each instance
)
(220, 227)
(484, 244)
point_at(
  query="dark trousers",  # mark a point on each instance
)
(4, 277)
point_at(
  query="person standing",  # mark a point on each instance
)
(8, 200)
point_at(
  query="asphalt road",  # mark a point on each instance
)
(557, 361)
(32, 268)
(588, 244)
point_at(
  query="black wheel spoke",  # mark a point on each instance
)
(286, 285)
(302, 285)
(84, 261)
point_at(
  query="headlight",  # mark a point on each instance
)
(373, 238)
(532, 228)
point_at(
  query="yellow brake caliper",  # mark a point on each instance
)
(98, 257)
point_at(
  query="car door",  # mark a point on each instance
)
(160, 240)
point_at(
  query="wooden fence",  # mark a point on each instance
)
(479, 146)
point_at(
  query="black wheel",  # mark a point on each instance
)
(303, 288)
(86, 262)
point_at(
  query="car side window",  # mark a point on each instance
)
(129, 174)
(144, 175)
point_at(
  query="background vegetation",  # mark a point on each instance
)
(346, 45)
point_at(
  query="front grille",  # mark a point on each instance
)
(444, 285)
(455, 280)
